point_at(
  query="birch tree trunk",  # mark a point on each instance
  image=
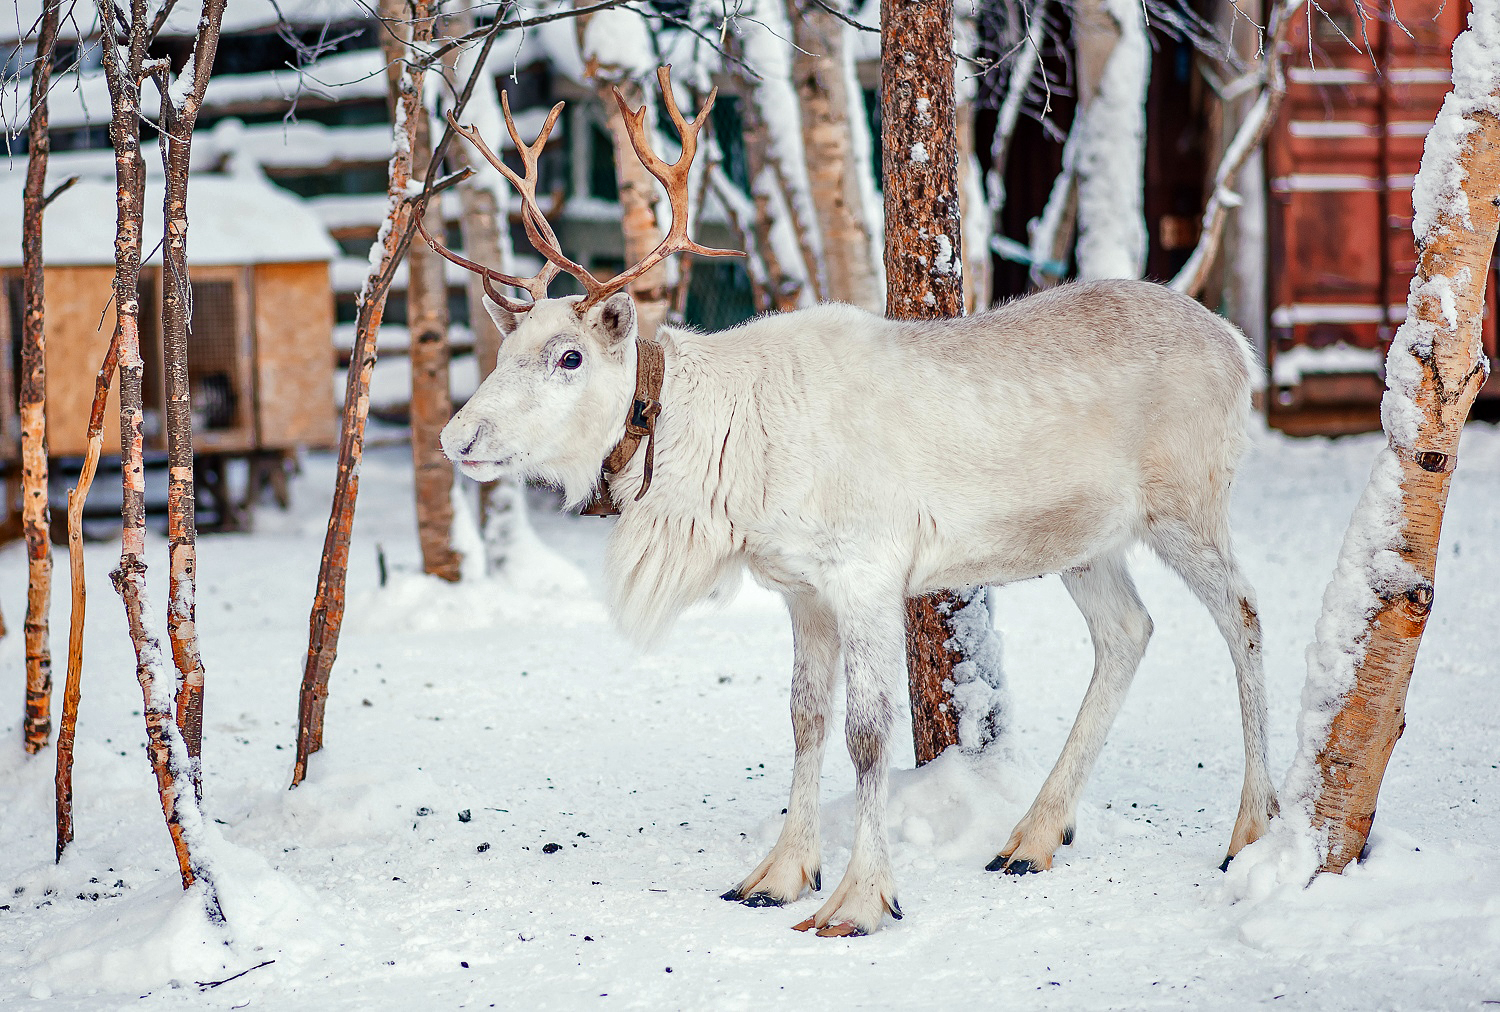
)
(36, 518)
(924, 280)
(765, 43)
(1377, 606)
(125, 69)
(327, 615)
(426, 313)
(176, 310)
(486, 233)
(610, 42)
(1254, 122)
(1110, 162)
(818, 68)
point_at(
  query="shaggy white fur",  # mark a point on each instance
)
(850, 462)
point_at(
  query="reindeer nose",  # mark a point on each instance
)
(460, 437)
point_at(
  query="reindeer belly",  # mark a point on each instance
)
(1046, 536)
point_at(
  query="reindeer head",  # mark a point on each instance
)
(563, 382)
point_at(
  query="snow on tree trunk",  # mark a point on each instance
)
(616, 49)
(485, 225)
(774, 229)
(947, 635)
(1110, 158)
(1378, 603)
(124, 65)
(819, 68)
(1249, 137)
(180, 107)
(36, 519)
(766, 44)
(975, 214)
(426, 314)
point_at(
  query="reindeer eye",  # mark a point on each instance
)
(570, 360)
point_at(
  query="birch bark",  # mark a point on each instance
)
(36, 518)
(180, 117)
(818, 68)
(1382, 593)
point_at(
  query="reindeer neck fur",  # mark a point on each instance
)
(678, 543)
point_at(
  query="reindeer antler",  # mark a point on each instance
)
(673, 176)
(537, 284)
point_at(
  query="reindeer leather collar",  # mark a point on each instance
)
(650, 368)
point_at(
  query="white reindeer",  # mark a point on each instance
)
(1080, 422)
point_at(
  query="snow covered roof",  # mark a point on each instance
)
(240, 16)
(232, 219)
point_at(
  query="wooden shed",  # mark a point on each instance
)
(260, 350)
(1341, 162)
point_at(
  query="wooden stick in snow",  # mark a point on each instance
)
(1436, 366)
(35, 515)
(73, 690)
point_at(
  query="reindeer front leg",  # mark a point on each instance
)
(874, 643)
(795, 863)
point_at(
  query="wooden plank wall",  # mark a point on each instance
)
(76, 298)
(294, 356)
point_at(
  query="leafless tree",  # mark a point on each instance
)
(1436, 366)
(128, 34)
(36, 517)
(179, 116)
(923, 269)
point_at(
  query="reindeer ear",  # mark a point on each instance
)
(615, 319)
(504, 318)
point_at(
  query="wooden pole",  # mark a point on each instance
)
(35, 516)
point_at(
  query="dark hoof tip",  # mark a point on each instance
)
(817, 880)
(998, 864)
(896, 909)
(1021, 868)
(733, 896)
(1224, 865)
(762, 900)
(1068, 836)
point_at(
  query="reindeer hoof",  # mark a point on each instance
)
(763, 900)
(733, 895)
(1068, 836)
(803, 925)
(1009, 867)
(840, 929)
(1224, 864)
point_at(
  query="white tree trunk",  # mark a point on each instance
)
(1111, 155)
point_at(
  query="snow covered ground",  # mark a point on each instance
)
(514, 810)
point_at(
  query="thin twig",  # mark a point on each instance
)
(62, 188)
(205, 985)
